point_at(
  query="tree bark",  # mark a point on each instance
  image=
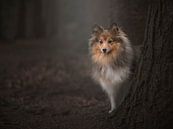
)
(149, 104)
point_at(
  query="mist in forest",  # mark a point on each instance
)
(68, 23)
(61, 22)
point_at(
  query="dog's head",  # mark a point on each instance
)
(106, 44)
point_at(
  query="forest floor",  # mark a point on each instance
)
(41, 88)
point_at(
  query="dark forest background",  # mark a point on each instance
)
(30, 19)
(45, 69)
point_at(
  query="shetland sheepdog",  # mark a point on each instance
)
(111, 54)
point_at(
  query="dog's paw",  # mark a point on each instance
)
(110, 111)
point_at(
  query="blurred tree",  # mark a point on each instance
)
(8, 19)
(38, 20)
(21, 30)
(22, 19)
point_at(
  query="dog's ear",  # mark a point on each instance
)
(97, 29)
(114, 28)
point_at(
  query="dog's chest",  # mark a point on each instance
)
(114, 76)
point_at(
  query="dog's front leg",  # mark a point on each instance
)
(112, 101)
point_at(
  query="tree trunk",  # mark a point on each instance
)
(37, 18)
(149, 104)
(21, 20)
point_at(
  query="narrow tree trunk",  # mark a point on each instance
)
(149, 104)
(21, 33)
(37, 18)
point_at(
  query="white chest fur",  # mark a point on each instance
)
(111, 77)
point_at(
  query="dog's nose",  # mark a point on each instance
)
(104, 50)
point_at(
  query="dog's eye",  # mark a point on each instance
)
(100, 41)
(110, 41)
